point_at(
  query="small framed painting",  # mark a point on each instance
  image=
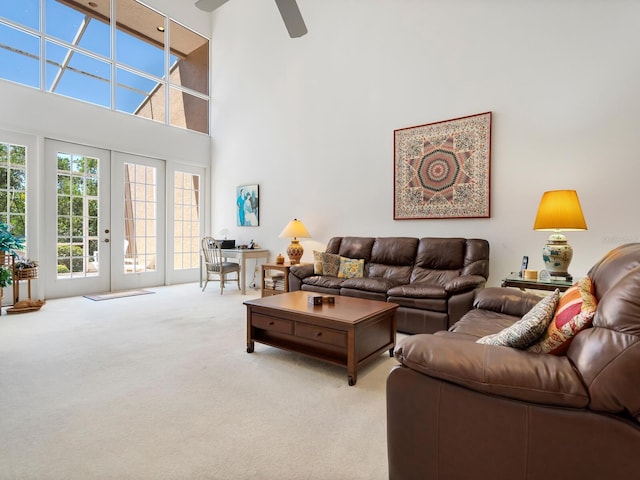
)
(441, 170)
(247, 206)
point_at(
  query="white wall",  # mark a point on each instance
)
(311, 120)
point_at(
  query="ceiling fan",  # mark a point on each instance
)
(289, 12)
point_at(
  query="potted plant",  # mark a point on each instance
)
(6, 279)
(8, 241)
(25, 268)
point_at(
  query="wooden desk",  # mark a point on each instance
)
(241, 254)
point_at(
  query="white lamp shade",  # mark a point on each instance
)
(295, 229)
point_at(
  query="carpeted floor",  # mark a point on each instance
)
(161, 387)
(113, 295)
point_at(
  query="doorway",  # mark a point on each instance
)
(105, 220)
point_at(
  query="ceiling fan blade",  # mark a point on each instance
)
(210, 5)
(292, 17)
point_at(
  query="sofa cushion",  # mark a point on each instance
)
(330, 264)
(350, 268)
(575, 312)
(397, 251)
(528, 329)
(441, 253)
(356, 247)
(418, 290)
(324, 281)
(317, 262)
(369, 284)
(480, 323)
(430, 304)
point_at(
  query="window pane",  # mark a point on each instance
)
(188, 111)
(81, 24)
(139, 44)
(62, 21)
(19, 56)
(79, 57)
(192, 53)
(77, 75)
(131, 95)
(24, 12)
(97, 38)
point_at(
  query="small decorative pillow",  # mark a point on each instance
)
(317, 263)
(528, 329)
(330, 264)
(574, 313)
(351, 268)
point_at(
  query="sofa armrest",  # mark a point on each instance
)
(465, 283)
(302, 271)
(505, 300)
(502, 371)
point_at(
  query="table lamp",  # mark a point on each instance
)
(559, 210)
(295, 229)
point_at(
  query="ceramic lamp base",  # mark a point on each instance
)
(557, 255)
(294, 252)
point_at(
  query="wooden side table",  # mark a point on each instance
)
(275, 287)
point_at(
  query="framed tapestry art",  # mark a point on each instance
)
(247, 206)
(441, 170)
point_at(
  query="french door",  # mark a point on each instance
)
(104, 221)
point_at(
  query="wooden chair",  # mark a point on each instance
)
(215, 266)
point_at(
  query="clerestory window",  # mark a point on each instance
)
(119, 54)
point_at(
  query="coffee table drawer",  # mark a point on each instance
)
(270, 323)
(320, 334)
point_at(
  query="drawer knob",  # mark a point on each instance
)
(318, 334)
(272, 323)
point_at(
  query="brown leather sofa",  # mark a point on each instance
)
(433, 280)
(457, 409)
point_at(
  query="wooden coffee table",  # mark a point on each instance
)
(351, 332)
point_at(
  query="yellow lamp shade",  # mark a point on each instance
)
(560, 210)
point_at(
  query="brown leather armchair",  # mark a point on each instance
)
(457, 409)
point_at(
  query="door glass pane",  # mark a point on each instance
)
(140, 218)
(13, 187)
(77, 234)
(186, 223)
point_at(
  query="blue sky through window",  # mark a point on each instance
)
(84, 77)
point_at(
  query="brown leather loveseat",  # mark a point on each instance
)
(457, 409)
(433, 280)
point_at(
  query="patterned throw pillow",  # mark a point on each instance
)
(351, 268)
(317, 263)
(330, 264)
(528, 329)
(574, 313)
